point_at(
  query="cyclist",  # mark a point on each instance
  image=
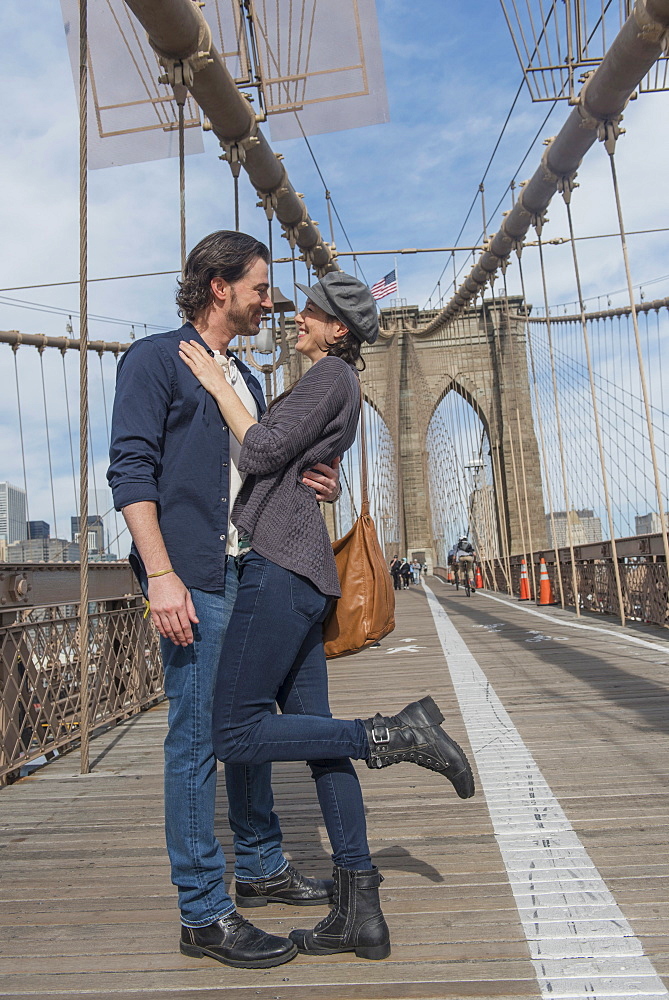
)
(452, 565)
(464, 560)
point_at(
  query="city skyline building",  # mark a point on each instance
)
(585, 528)
(13, 507)
(38, 529)
(48, 550)
(96, 533)
(649, 524)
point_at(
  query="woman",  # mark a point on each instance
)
(273, 651)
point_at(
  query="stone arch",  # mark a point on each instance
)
(484, 360)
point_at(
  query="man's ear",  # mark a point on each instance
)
(220, 289)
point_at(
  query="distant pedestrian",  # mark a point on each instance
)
(415, 569)
(405, 573)
(395, 567)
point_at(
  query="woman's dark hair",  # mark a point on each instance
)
(224, 254)
(347, 348)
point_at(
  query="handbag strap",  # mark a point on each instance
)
(363, 457)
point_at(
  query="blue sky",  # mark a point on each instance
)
(451, 74)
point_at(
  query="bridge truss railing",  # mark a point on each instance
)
(40, 679)
(641, 566)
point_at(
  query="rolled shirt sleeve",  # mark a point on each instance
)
(144, 389)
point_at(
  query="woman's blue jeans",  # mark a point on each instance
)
(196, 857)
(273, 652)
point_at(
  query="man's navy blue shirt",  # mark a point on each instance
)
(170, 445)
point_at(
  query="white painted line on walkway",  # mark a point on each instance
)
(604, 632)
(580, 943)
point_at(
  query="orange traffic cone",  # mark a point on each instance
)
(524, 583)
(449, 576)
(545, 588)
(479, 578)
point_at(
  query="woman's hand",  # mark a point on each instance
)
(208, 371)
(205, 368)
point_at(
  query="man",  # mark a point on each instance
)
(174, 475)
(464, 559)
(395, 566)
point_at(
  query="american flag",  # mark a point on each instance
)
(385, 286)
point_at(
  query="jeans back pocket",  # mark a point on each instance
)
(306, 599)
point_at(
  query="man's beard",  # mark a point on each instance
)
(239, 323)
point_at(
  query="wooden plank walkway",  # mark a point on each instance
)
(87, 905)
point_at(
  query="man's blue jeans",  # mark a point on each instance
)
(196, 857)
(273, 652)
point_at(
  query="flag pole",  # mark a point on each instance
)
(397, 279)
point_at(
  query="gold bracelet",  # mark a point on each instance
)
(163, 572)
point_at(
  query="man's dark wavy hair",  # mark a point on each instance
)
(224, 254)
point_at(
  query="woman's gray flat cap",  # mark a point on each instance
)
(349, 300)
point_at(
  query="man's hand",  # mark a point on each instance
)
(324, 479)
(172, 609)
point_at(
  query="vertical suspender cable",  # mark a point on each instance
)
(595, 411)
(558, 424)
(642, 370)
(15, 348)
(83, 384)
(69, 434)
(507, 419)
(537, 398)
(501, 504)
(236, 184)
(521, 441)
(271, 292)
(48, 441)
(104, 403)
(180, 93)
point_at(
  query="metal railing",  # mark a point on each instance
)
(643, 575)
(40, 698)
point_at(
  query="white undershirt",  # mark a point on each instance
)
(234, 377)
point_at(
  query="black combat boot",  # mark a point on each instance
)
(289, 886)
(414, 735)
(355, 923)
(234, 941)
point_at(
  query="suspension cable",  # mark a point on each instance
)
(84, 723)
(639, 352)
(63, 352)
(23, 450)
(558, 423)
(537, 398)
(595, 411)
(48, 440)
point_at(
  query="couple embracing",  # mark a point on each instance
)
(221, 496)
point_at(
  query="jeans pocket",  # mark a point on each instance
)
(306, 600)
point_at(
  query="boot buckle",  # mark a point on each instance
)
(380, 733)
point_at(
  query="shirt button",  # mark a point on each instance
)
(225, 465)
(222, 538)
(223, 499)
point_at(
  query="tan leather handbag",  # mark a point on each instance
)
(365, 612)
